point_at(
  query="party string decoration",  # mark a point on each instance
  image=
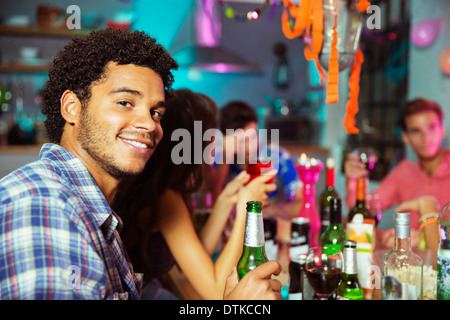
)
(251, 15)
(308, 22)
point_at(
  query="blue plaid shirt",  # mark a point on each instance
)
(59, 239)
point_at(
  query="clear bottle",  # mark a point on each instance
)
(326, 195)
(254, 253)
(349, 287)
(335, 234)
(443, 255)
(402, 268)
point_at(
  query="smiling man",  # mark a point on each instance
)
(104, 101)
(59, 238)
(422, 126)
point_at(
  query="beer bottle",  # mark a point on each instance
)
(254, 253)
(335, 235)
(349, 287)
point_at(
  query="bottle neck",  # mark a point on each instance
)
(350, 266)
(335, 217)
(402, 238)
(361, 189)
(254, 230)
(360, 203)
(330, 177)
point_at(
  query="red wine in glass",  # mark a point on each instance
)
(324, 280)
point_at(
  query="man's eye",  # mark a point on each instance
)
(125, 104)
(156, 115)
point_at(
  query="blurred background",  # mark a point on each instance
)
(264, 68)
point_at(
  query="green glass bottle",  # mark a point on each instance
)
(360, 205)
(326, 195)
(254, 252)
(335, 235)
(349, 287)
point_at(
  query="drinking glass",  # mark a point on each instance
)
(367, 156)
(324, 270)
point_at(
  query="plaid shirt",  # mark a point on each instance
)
(59, 239)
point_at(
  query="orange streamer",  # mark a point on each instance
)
(363, 5)
(352, 106)
(333, 69)
(299, 13)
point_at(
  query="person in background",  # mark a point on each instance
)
(422, 126)
(242, 122)
(104, 100)
(155, 207)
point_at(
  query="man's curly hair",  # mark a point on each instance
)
(83, 61)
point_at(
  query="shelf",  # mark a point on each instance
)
(23, 68)
(43, 32)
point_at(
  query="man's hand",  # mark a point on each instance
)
(354, 168)
(255, 285)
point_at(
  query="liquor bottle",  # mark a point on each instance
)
(402, 268)
(299, 287)
(326, 195)
(361, 228)
(349, 287)
(360, 205)
(335, 235)
(254, 252)
(443, 255)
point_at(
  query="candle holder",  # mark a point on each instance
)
(308, 171)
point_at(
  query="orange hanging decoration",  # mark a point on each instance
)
(333, 69)
(363, 5)
(309, 16)
(352, 106)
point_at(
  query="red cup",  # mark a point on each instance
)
(254, 170)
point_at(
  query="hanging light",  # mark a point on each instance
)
(349, 27)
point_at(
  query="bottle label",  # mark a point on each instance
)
(297, 250)
(254, 230)
(295, 296)
(443, 275)
(271, 249)
(395, 289)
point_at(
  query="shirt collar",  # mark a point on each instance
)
(72, 169)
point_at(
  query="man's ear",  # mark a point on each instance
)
(405, 138)
(70, 106)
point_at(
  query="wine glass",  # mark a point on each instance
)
(367, 156)
(324, 270)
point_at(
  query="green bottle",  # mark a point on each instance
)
(349, 287)
(335, 235)
(326, 195)
(254, 252)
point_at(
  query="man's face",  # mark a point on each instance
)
(247, 141)
(424, 133)
(120, 127)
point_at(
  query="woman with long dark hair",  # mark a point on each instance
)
(155, 206)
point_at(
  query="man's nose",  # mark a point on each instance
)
(144, 121)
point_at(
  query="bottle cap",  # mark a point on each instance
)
(402, 219)
(349, 244)
(330, 162)
(335, 210)
(335, 204)
(402, 224)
